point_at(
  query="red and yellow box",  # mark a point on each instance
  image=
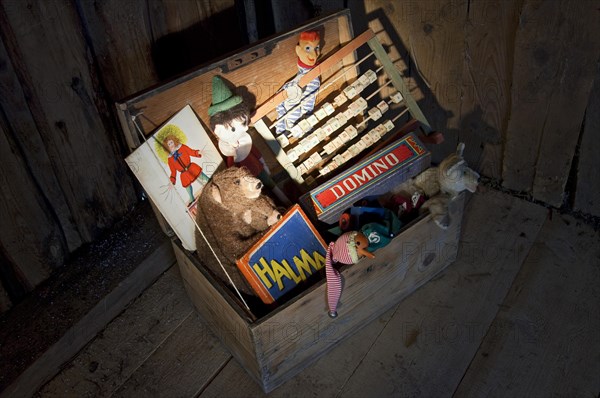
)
(290, 254)
(375, 175)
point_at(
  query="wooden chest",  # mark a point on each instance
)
(276, 345)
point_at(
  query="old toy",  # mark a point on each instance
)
(229, 117)
(442, 184)
(347, 249)
(233, 214)
(300, 101)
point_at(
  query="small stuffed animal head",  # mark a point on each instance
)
(454, 174)
(250, 186)
(233, 184)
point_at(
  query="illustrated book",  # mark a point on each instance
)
(173, 165)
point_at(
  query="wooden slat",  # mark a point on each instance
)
(122, 38)
(554, 66)
(318, 70)
(429, 35)
(544, 341)
(181, 366)
(397, 271)
(106, 363)
(489, 37)
(579, 58)
(5, 302)
(392, 72)
(225, 322)
(587, 192)
(434, 334)
(48, 365)
(28, 231)
(185, 33)
(70, 116)
(346, 34)
(27, 135)
(288, 14)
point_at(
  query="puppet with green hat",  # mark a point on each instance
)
(229, 118)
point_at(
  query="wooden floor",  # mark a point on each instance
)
(517, 315)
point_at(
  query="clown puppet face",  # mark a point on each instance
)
(308, 49)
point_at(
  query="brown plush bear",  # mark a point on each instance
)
(233, 214)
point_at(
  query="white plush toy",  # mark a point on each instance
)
(442, 184)
(455, 176)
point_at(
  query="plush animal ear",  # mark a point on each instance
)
(216, 193)
(457, 168)
(459, 149)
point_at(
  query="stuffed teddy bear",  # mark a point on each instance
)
(442, 184)
(232, 214)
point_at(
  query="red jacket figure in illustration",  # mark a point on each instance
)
(180, 161)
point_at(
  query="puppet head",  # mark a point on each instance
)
(350, 247)
(229, 117)
(308, 49)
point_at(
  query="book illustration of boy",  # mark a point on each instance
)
(178, 156)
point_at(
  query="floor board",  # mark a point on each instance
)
(545, 341)
(324, 378)
(424, 345)
(182, 366)
(126, 343)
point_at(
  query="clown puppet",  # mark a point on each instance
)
(300, 101)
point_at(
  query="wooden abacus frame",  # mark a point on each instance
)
(291, 164)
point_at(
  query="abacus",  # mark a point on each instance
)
(342, 128)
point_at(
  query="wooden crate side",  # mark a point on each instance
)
(265, 67)
(225, 322)
(296, 335)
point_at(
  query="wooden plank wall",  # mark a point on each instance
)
(511, 79)
(63, 64)
(587, 189)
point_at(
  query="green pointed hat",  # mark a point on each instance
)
(222, 97)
